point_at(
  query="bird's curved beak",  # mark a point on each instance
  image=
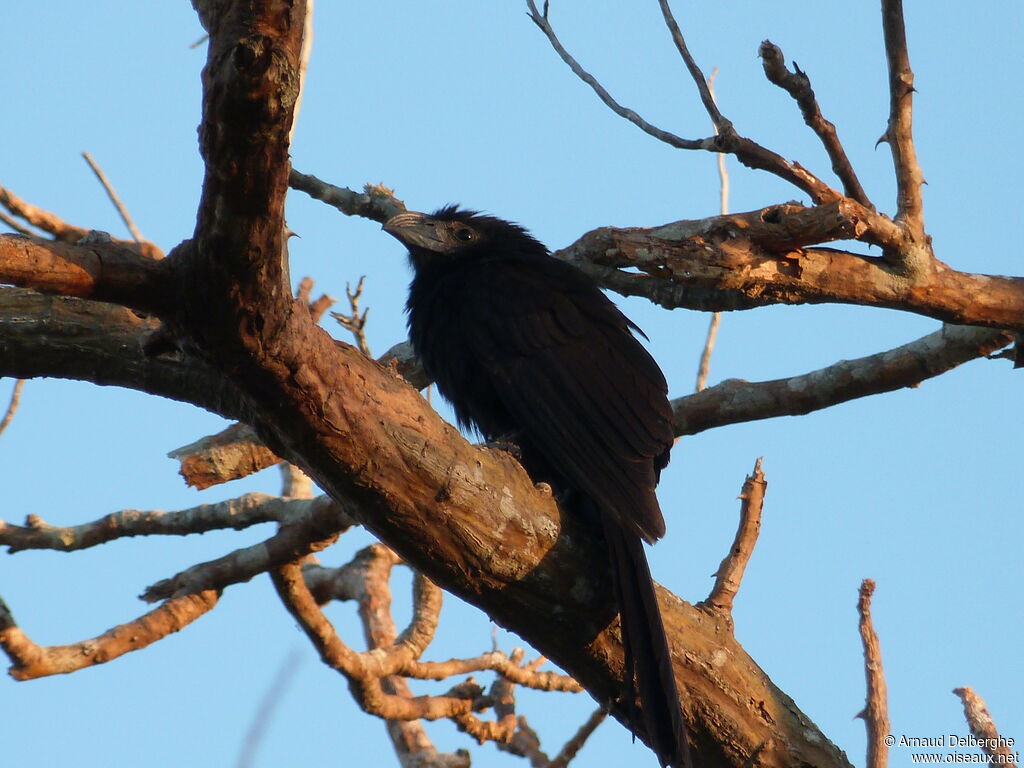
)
(414, 229)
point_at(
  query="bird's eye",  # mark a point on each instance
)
(463, 234)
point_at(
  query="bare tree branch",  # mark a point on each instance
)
(104, 344)
(60, 229)
(758, 258)
(983, 727)
(899, 133)
(730, 572)
(318, 307)
(375, 202)
(112, 194)
(876, 711)
(316, 528)
(94, 267)
(355, 322)
(707, 96)
(239, 513)
(16, 225)
(704, 368)
(748, 152)
(30, 661)
(267, 706)
(734, 400)
(573, 746)
(364, 683)
(541, 20)
(12, 406)
(798, 85)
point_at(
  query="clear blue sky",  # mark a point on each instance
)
(459, 101)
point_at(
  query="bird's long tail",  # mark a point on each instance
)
(648, 661)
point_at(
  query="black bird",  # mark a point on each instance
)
(528, 350)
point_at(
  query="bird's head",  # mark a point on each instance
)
(452, 232)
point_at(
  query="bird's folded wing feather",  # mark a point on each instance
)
(585, 392)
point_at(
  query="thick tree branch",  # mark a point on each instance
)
(72, 338)
(758, 258)
(92, 268)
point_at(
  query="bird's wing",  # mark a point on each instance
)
(583, 391)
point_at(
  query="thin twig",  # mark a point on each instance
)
(748, 152)
(354, 322)
(12, 407)
(265, 711)
(568, 752)
(984, 728)
(723, 200)
(709, 347)
(876, 712)
(16, 225)
(899, 133)
(798, 85)
(722, 125)
(541, 20)
(112, 194)
(730, 572)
